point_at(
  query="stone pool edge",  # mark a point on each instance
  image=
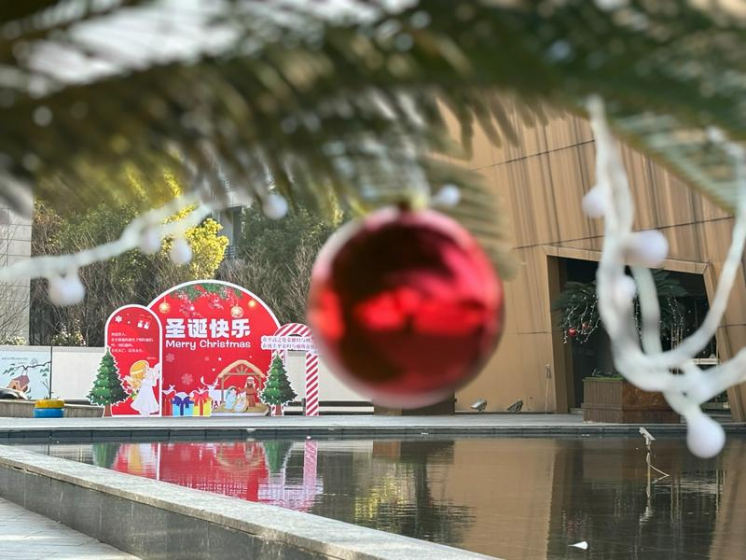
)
(157, 520)
(14, 435)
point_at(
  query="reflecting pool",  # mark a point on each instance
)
(515, 498)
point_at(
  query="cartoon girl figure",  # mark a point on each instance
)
(145, 402)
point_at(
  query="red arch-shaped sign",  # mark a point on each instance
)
(208, 325)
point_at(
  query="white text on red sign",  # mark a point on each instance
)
(299, 343)
(201, 328)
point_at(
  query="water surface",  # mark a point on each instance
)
(515, 498)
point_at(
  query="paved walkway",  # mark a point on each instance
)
(28, 536)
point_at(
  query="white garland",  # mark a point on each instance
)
(647, 366)
(145, 232)
(140, 229)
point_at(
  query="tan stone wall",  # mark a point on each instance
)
(541, 181)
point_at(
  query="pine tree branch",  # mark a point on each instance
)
(356, 106)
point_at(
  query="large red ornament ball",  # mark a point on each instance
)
(405, 306)
(572, 332)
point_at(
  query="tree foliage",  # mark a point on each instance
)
(274, 258)
(68, 338)
(133, 277)
(208, 248)
(358, 104)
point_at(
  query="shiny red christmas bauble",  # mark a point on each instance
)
(405, 306)
(572, 332)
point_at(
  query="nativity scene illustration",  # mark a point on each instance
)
(243, 396)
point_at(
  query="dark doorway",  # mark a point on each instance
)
(591, 355)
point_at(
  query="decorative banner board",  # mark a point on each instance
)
(133, 336)
(26, 371)
(297, 337)
(213, 362)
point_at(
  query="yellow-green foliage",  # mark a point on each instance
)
(208, 247)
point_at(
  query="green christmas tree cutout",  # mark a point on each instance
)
(107, 388)
(277, 391)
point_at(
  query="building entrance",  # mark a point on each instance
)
(587, 349)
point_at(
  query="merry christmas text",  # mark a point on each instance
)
(192, 344)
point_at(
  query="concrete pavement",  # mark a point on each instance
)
(28, 536)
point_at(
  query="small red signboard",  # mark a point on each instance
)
(133, 336)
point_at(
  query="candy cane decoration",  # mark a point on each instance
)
(281, 347)
(312, 384)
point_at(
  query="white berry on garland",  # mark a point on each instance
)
(447, 197)
(275, 206)
(66, 290)
(594, 203)
(705, 436)
(150, 243)
(648, 248)
(181, 252)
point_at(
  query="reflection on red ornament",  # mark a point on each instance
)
(164, 307)
(572, 332)
(236, 312)
(405, 306)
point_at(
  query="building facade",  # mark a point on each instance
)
(15, 245)
(541, 181)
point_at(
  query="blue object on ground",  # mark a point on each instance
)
(49, 412)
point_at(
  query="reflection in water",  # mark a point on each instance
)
(512, 498)
(400, 498)
(600, 495)
(254, 471)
